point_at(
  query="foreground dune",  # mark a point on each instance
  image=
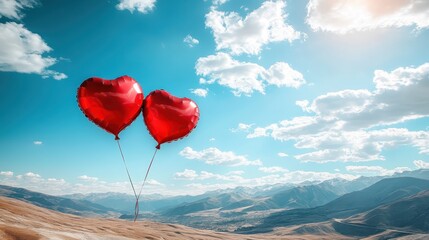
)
(20, 220)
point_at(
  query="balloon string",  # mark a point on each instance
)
(126, 168)
(136, 209)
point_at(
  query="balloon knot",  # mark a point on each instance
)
(158, 146)
(116, 137)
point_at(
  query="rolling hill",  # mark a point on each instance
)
(65, 205)
(225, 199)
(21, 220)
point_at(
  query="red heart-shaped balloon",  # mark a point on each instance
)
(169, 118)
(111, 104)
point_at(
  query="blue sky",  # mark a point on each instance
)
(288, 91)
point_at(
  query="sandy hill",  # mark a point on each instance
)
(21, 220)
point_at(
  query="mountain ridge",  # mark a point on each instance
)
(382, 192)
(65, 205)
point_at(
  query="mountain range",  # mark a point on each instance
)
(61, 204)
(409, 213)
(381, 206)
(385, 191)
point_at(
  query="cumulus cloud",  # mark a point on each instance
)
(191, 41)
(13, 8)
(421, 164)
(6, 173)
(245, 77)
(37, 142)
(258, 132)
(87, 178)
(303, 104)
(153, 182)
(31, 175)
(241, 77)
(360, 15)
(214, 156)
(358, 146)
(281, 74)
(23, 51)
(55, 186)
(143, 6)
(247, 35)
(54, 74)
(188, 174)
(201, 92)
(219, 2)
(273, 169)
(282, 154)
(340, 128)
(400, 95)
(242, 127)
(376, 170)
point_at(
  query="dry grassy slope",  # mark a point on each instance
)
(20, 220)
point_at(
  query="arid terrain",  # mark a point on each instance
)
(394, 207)
(20, 220)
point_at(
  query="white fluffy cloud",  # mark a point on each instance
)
(200, 92)
(400, 95)
(282, 154)
(37, 142)
(13, 8)
(242, 127)
(191, 41)
(303, 104)
(245, 77)
(31, 175)
(154, 183)
(188, 174)
(340, 129)
(376, 170)
(260, 27)
(22, 51)
(219, 2)
(257, 132)
(273, 169)
(421, 164)
(358, 15)
(143, 6)
(6, 173)
(358, 146)
(54, 186)
(88, 178)
(54, 74)
(214, 156)
(241, 77)
(280, 74)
